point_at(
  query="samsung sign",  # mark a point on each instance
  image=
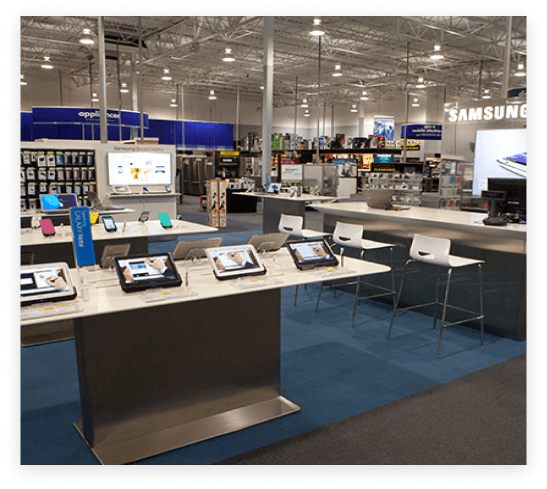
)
(487, 113)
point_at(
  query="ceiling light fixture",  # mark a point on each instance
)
(317, 30)
(337, 70)
(486, 93)
(304, 103)
(94, 98)
(520, 70)
(415, 103)
(420, 83)
(307, 113)
(86, 37)
(166, 76)
(363, 96)
(23, 82)
(47, 63)
(124, 88)
(353, 108)
(437, 53)
(212, 95)
(228, 56)
(173, 102)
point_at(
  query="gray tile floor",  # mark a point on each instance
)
(191, 205)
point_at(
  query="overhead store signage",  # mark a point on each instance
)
(82, 238)
(423, 131)
(72, 115)
(229, 153)
(486, 111)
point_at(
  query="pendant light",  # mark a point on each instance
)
(486, 94)
(307, 113)
(228, 56)
(317, 29)
(166, 76)
(437, 53)
(86, 37)
(420, 83)
(95, 98)
(23, 82)
(212, 95)
(124, 88)
(173, 103)
(337, 70)
(520, 70)
(363, 96)
(304, 103)
(415, 103)
(353, 108)
(47, 63)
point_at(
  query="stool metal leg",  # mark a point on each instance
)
(392, 277)
(355, 301)
(436, 300)
(318, 297)
(481, 311)
(448, 275)
(398, 299)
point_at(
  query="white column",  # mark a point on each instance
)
(102, 83)
(267, 99)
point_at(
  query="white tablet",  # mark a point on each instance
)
(235, 261)
(46, 283)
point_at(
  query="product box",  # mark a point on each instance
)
(216, 203)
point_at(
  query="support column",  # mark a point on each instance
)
(134, 92)
(318, 98)
(141, 68)
(102, 83)
(507, 60)
(361, 129)
(267, 99)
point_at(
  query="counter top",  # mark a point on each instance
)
(286, 196)
(439, 218)
(106, 296)
(134, 229)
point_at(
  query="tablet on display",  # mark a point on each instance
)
(309, 254)
(235, 261)
(140, 272)
(46, 283)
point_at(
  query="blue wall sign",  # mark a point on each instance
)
(82, 239)
(72, 115)
(423, 131)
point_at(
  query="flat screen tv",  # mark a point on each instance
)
(498, 154)
(127, 168)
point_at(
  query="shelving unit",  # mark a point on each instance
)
(405, 188)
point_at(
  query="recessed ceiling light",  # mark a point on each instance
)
(47, 64)
(228, 56)
(317, 30)
(437, 53)
(86, 37)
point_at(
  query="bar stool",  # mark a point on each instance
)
(436, 251)
(352, 235)
(294, 225)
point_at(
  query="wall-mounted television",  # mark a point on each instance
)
(127, 168)
(498, 154)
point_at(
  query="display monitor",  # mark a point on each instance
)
(498, 154)
(46, 283)
(515, 189)
(58, 202)
(126, 168)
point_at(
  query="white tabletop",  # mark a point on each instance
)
(438, 218)
(39, 213)
(287, 196)
(106, 296)
(134, 229)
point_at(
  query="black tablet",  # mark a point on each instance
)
(235, 261)
(46, 283)
(309, 254)
(141, 272)
(268, 241)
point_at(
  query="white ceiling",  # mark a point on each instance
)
(380, 54)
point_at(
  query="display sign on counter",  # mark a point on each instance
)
(81, 236)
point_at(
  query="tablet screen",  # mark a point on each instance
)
(309, 254)
(235, 261)
(146, 271)
(46, 282)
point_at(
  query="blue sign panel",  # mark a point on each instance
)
(423, 131)
(82, 239)
(72, 115)
(208, 135)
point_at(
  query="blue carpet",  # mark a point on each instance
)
(330, 370)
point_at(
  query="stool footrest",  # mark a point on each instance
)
(464, 321)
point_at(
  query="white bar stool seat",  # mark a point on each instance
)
(436, 251)
(351, 235)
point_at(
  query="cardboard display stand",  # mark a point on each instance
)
(216, 203)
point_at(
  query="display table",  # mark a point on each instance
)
(159, 375)
(503, 249)
(276, 204)
(59, 247)
(64, 217)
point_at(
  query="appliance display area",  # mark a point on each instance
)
(498, 154)
(139, 169)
